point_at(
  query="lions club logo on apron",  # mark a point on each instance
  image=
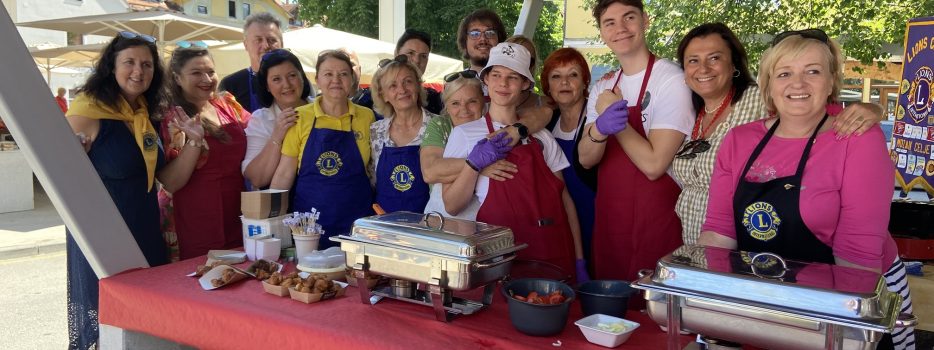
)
(761, 221)
(329, 163)
(402, 178)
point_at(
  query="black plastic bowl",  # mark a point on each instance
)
(608, 297)
(536, 319)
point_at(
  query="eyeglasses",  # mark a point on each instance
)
(475, 34)
(185, 44)
(691, 149)
(398, 59)
(277, 53)
(811, 33)
(469, 74)
(131, 35)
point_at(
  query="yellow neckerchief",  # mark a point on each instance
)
(86, 106)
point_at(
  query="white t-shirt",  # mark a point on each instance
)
(667, 102)
(262, 123)
(464, 137)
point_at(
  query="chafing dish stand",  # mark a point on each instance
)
(441, 255)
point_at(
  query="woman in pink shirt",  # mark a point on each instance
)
(788, 186)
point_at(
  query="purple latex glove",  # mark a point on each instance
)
(614, 118)
(580, 266)
(488, 151)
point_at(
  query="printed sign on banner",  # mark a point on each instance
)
(913, 135)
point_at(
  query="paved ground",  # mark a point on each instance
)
(28, 233)
(32, 296)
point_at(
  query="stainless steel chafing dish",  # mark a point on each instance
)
(765, 301)
(440, 254)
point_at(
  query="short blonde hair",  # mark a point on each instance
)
(452, 87)
(793, 46)
(391, 70)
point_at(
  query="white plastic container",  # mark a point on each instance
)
(590, 326)
(270, 226)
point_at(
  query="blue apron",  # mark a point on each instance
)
(582, 194)
(399, 182)
(332, 179)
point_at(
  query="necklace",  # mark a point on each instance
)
(725, 98)
(700, 117)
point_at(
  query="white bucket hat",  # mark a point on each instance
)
(512, 56)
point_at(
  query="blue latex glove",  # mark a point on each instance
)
(614, 118)
(580, 266)
(488, 151)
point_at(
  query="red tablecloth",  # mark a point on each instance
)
(163, 302)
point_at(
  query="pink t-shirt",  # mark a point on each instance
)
(846, 189)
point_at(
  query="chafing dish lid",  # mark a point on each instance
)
(433, 233)
(765, 280)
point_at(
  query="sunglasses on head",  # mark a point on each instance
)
(131, 35)
(277, 53)
(692, 148)
(469, 74)
(185, 44)
(475, 34)
(398, 59)
(812, 33)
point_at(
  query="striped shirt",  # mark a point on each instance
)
(694, 174)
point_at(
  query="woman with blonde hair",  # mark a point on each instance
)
(789, 186)
(395, 140)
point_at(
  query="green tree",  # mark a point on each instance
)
(865, 29)
(438, 18)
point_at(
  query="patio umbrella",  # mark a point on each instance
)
(306, 43)
(50, 59)
(166, 27)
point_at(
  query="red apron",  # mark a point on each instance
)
(531, 205)
(635, 222)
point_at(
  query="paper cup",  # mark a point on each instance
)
(305, 244)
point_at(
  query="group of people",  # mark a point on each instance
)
(600, 181)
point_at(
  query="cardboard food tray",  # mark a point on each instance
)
(217, 272)
(309, 298)
(252, 269)
(281, 291)
(229, 257)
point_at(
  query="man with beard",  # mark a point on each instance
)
(261, 34)
(477, 34)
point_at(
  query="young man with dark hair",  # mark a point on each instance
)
(477, 34)
(261, 34)
(416, 46)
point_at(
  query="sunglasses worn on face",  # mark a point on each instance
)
(185, 44)
(812, 33)
(469, 74)
(132, 35)
(399, 59)
(475, 34)
(691, 149)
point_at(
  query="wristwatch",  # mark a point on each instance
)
(523, 130)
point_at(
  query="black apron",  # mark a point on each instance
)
(767, 215)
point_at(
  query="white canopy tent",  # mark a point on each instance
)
(306, 43)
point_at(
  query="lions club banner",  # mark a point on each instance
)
(913, 134)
